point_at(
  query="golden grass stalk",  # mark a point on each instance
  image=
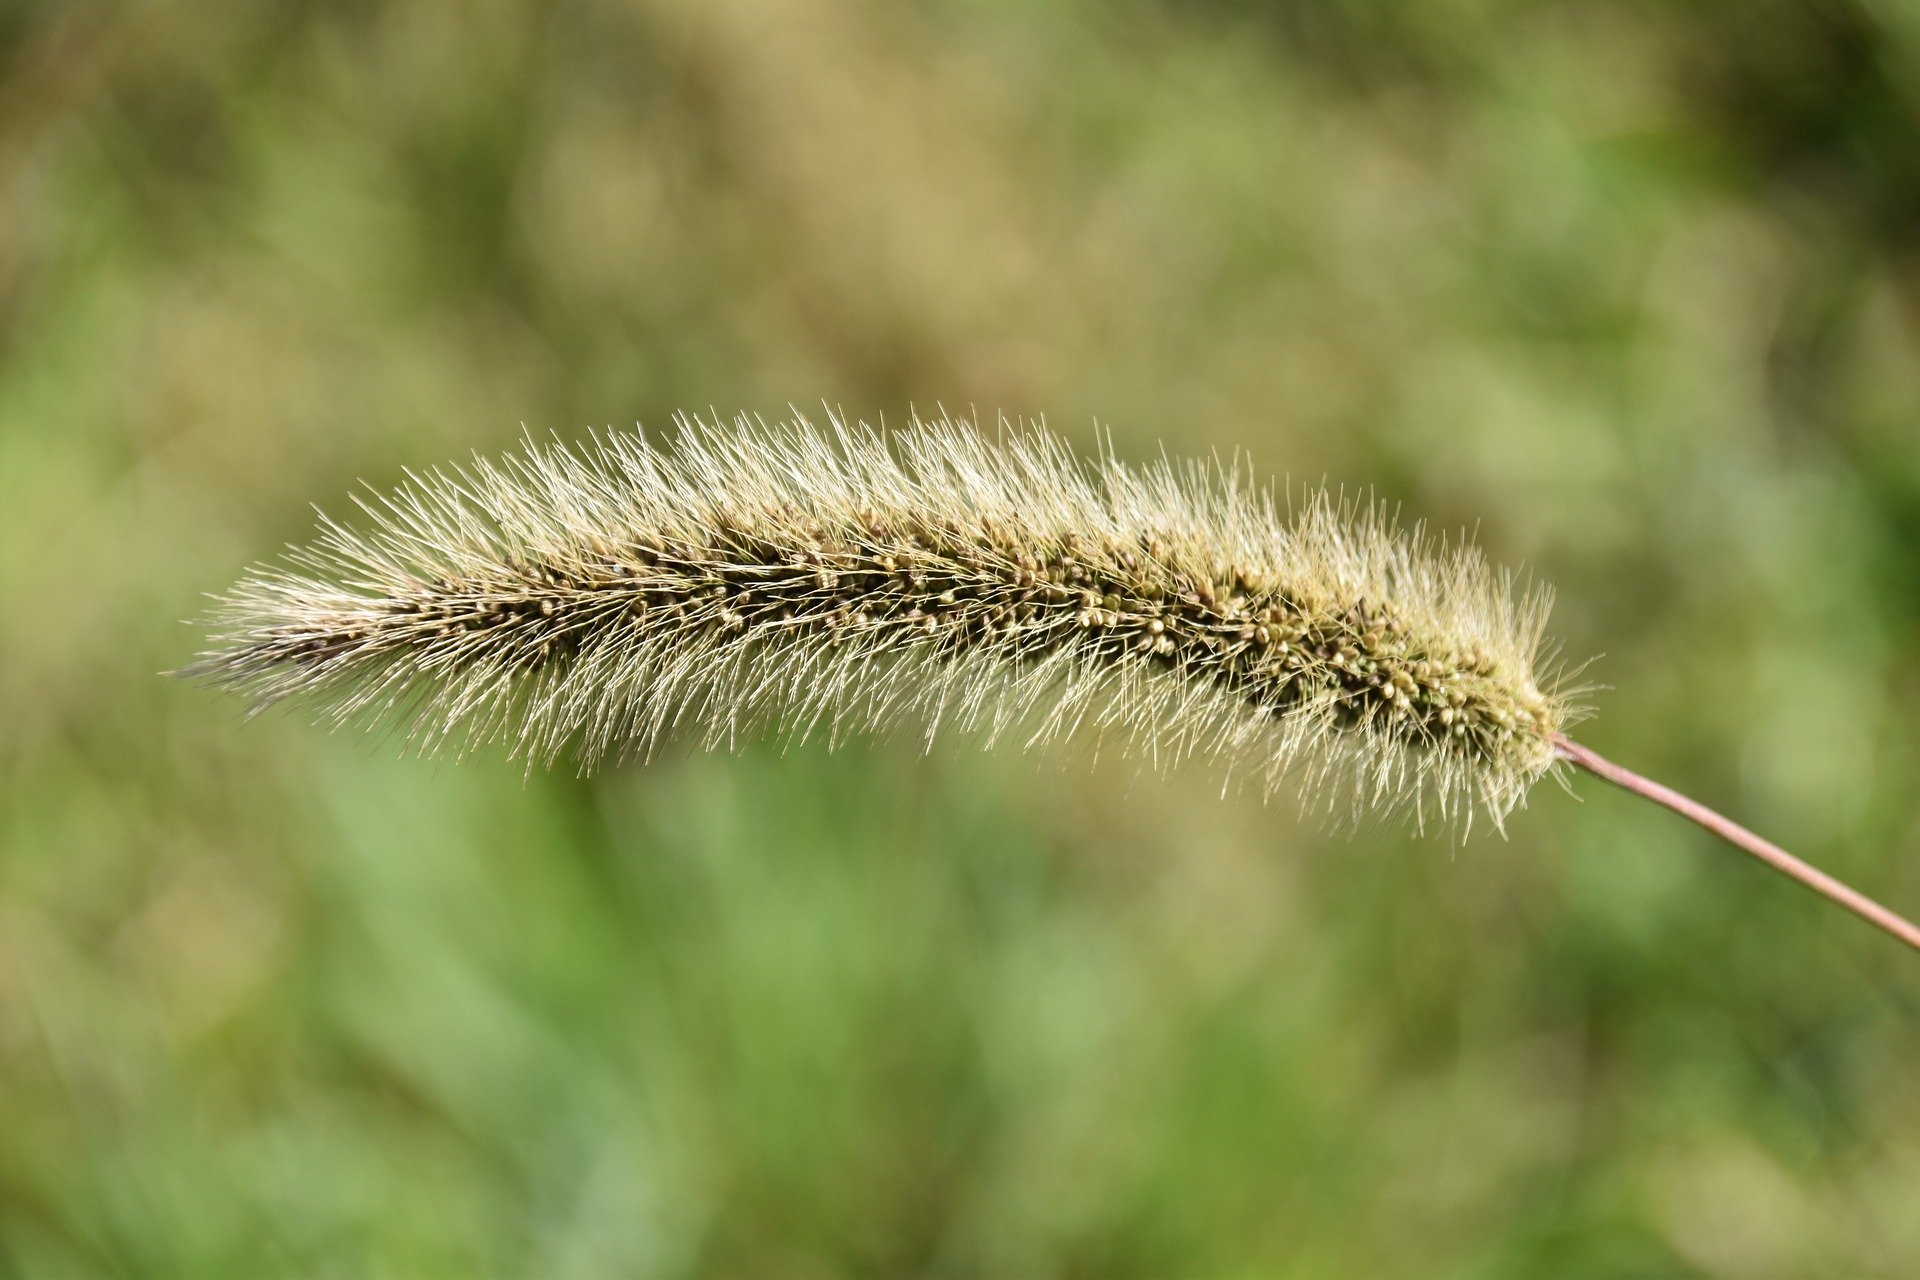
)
(835, 579)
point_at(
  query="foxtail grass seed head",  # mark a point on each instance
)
(827, 579)
(811, 579)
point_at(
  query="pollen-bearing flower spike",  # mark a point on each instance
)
(836, 578)
(830, 579)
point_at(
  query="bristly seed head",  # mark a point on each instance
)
(801, 576)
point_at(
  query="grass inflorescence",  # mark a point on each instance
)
(841, 578)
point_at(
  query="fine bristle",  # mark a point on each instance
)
(839, 578)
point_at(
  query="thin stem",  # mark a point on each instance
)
(1733, 833)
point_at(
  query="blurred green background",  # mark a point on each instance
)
(1631, 287)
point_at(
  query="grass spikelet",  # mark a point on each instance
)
(831, 579)
(838, 579)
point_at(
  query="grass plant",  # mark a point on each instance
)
(840, 579)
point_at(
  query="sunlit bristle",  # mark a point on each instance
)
(837, 578)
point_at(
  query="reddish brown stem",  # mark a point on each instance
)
(1735, 834)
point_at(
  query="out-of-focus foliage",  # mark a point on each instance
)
(1633, 288)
